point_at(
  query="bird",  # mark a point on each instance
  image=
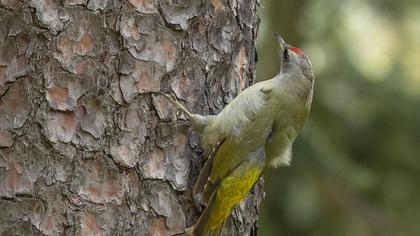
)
(253, 132)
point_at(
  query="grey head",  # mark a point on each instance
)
(293, 60)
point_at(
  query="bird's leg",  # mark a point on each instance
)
(198, 121)
(172, 97)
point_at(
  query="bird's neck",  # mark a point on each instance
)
(295, 82)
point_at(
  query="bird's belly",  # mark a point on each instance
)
(285, 130)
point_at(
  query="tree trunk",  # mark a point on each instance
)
(87, 144)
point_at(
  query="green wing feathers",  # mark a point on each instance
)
(202, 180)
(224, 159)
(233, 173)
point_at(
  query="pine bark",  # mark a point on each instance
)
(88, 146)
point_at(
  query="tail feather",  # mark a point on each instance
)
(218, 230)
(203, 188)
(202, 227)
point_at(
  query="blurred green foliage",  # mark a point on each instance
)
(356, 165)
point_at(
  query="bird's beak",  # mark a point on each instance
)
(281, 41)
(283, 45)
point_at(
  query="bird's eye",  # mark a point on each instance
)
(286, 54)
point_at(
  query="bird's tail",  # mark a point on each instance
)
(205, 225)
(205, 231)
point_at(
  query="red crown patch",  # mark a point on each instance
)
(296, 50)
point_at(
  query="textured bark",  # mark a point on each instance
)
(87, 144)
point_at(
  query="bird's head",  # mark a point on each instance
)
(293, 59)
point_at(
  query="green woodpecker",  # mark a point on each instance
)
(254, 131)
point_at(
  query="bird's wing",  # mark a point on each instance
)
(244, 108)
(231, 182)
(222, 137)
(237, 114)
(205, 172)
(224, 158)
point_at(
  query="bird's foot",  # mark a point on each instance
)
(179, 107)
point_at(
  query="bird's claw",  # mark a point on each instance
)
(173, 98)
